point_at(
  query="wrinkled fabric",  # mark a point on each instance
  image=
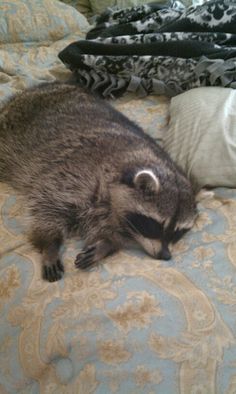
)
(168, 49)
(133, 324)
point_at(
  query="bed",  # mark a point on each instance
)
(133, 324)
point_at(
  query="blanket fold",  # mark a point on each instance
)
(157, 48)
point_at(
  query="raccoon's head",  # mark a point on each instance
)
(156, 208)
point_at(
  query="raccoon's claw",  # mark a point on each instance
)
(89, 256)
(85, 259)
(53, 272)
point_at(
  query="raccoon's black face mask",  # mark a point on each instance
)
(155, 222)
(152, 234)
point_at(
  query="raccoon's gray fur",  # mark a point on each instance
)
(86, 169)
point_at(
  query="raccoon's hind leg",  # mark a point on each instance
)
(48, 246)
(91, 254)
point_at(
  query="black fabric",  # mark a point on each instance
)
(158, 48)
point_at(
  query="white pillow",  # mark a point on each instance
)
(201, 137)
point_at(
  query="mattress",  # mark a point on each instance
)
(132, 324)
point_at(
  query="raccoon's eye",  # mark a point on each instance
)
(178, 234)
(144, 225)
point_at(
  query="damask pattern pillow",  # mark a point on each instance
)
(98, 6)
(82, 6)
(41, 20)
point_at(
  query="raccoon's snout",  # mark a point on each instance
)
(164, 254)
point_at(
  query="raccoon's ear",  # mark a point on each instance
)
(147, 181)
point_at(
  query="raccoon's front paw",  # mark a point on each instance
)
(86, 258)
(53, 272)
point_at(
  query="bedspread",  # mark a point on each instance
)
(133, 324)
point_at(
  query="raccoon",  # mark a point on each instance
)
(84, 169)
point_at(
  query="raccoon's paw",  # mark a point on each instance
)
(53, 272)
(86, 258)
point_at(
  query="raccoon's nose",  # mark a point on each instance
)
(164, 254)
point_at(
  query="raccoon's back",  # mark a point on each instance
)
(55, 123)
(39, 113)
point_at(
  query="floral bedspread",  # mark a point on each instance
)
(133, 324)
